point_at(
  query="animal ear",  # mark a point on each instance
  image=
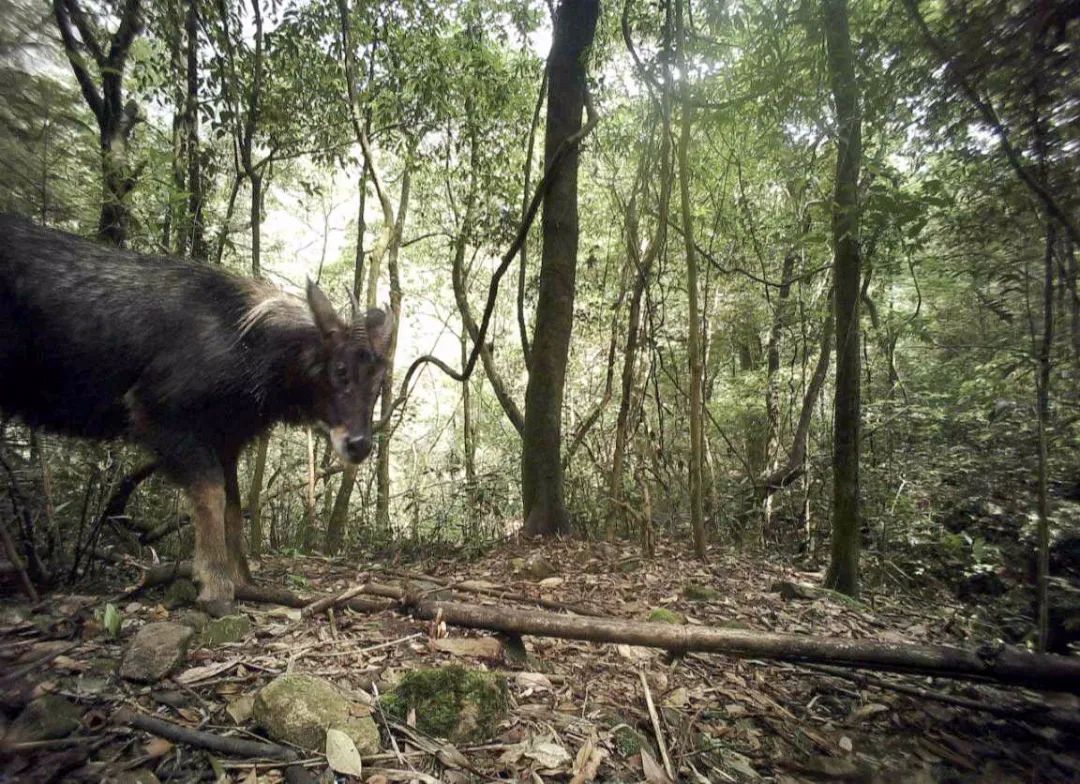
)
(326, 318)
(379, 326)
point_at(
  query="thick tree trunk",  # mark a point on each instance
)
(541, 460)
(843, 573)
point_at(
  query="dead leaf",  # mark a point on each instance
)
(341, 753)
(677, 698)
(867, 710)
(588, 761)
(481, 647)
(846, 744)
(533, 681)
(544, 751)
(157, 747)
(196, 674)
(654, 773)
(252, 776)
(240, 709)
(69, 664)
(190, 715)
(634, 652)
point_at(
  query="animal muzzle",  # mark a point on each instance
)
(351, 448)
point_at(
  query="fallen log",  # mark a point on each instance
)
(1006, 665)
(1049, 672)
(161, 574)
(236, 747)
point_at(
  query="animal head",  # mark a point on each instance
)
(350, 375)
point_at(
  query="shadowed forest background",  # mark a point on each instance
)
(390, 150)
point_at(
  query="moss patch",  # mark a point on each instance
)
(451, 702)
(661, 615)
(696, 592)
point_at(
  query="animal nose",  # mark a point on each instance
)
(358, 447)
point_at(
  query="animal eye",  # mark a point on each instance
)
(363, 356)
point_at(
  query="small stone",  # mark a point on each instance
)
(46, 718)
(299, 709)
(789, 590)
(194, 619)
(538, 567)
(155, 651)
(230, 628)
(180, 593)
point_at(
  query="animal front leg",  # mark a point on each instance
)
(211, 567)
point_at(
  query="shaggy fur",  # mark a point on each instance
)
(183, 358)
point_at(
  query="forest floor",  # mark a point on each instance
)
(576, 711)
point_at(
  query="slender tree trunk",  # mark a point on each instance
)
(468, 436)
(254, 503)
(843, 573)
(694, 348)
(541, 460)
(772, 370)
(335, 526)
(382, 504)
(195, 235)
(1043, 393)
(641, 282)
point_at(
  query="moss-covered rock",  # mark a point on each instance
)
(219, 631)
(629, 741)
(451, 702)
(45, 718)
(663, 615)
(696, 592)
(299, 709)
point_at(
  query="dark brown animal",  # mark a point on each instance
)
(185, 359)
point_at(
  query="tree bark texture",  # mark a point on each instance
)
(843, 573)
(116, 118)
(541, 461)
(693, 345)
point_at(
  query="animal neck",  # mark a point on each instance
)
(285, 350)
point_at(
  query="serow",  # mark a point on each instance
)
(185, 359)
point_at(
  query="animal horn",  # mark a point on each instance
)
(352, 301)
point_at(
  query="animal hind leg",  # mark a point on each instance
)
(234, 525)
(197, 469)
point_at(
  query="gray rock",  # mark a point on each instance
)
(230, 628)
(155, 652)
(299, 709)
(196, 619)
(45, 718)
(538, 567)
